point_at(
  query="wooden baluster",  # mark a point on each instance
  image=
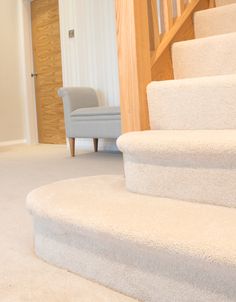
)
(180, 7)
(168, 14)
(156, 23)
(212, 4)
(153, 25)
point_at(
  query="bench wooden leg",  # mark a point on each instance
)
(72, 146)
(95, 143)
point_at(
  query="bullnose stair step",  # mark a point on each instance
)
(192, 165)
(150, 248)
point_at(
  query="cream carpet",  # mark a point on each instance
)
(24, 277)
(149, 248)
(215, 21)
(191, 165)
(192, 120)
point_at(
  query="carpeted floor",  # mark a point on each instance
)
(24, 277)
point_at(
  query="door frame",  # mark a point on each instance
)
(27, 67)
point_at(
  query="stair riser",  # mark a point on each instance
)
(147, 274)
(215, 21)
(210, 56)
(224, 2)
(75, 252)
(200, 103)
(212, 186)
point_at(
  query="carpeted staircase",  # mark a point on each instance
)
(171, 236)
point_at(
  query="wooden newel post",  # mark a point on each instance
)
(134, 62)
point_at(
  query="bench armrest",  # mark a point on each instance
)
(78, 97)
(75, 98)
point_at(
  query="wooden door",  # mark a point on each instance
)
(48, 70)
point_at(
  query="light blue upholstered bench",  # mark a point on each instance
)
(84, 118)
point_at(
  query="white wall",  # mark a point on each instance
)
(90, 59)
(11, 96)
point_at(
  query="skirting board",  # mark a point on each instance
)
(11, 143)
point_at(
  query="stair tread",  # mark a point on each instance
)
(215, 21)
(102, 204)
(208, 148)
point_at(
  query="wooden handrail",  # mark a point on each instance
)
(168, 14)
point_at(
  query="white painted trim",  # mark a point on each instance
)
(28, 88)
(11, 143)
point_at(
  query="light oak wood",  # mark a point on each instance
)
(72, 146)
(168, 14)
(180, 7)
(135, 39)
(154, 33)
(47, 64)
(212, 4)
(95, 144)
(134, 62)
(182, 30)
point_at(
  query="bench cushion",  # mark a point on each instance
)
(96, 111)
